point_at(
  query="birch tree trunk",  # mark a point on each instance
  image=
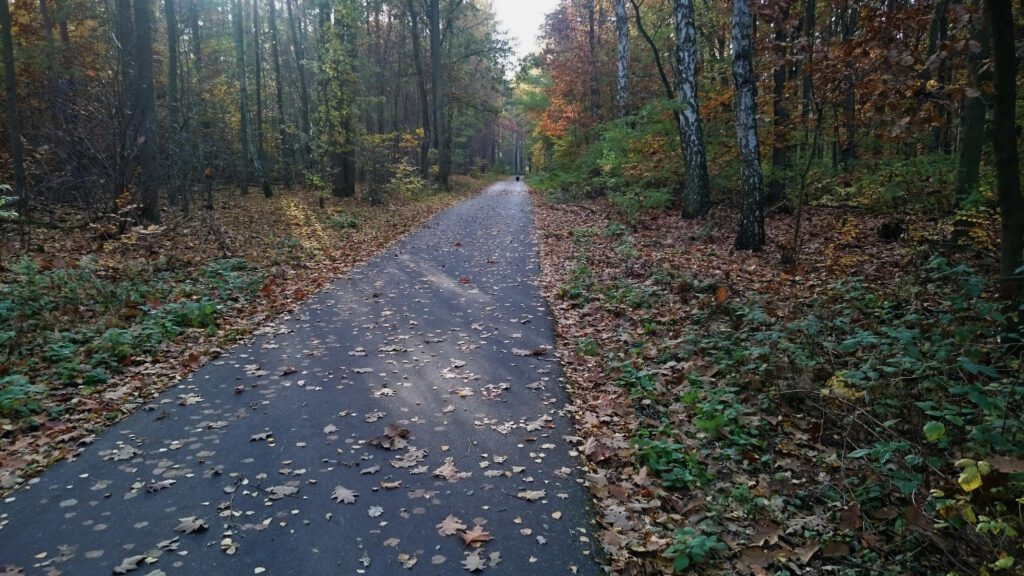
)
(751, 232)
(696, 194)
(622, 64)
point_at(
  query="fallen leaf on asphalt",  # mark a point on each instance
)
(191, 525)
(531, 495)
(450, 525)
(476, 536)
(129, 564)
(343, 495)
(474, 562)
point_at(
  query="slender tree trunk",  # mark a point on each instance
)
(282, 124)
(148, 159)
(421, 88)
(13, 120)
(257, 56)
(938, 34)
(53, 66)
(174, 184)
(300, 60)
(696, 194)
(972, 131)
(780, 107)
(808, 59)
(440, 110)
(202, 132)
(595, 88)
(751, 232)
(655, 51)
(126, 99)
(1004, 146)
(622, 62)
(848, 152)
(243, 98)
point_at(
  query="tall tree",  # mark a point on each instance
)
(622, 61)
(972, 123)
(175, 189)
(1004, 146)
(696, 193)
(300, 61)
(751, 232)
(592, 66)
(655, 51)
(13, 121)
(243, 97)
(284, 146)
(149, 179)
(257, 56)
(780, 108)
(440, 110)
(421, 86)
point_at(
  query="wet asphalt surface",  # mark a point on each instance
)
(341, 436)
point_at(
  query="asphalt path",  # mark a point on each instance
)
(407, 420)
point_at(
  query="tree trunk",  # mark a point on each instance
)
(174, 184)
(202, 132)
(437, 77)
(780, 108)
(421, 88)
(282, 125)
(848, 151)
(148, 160)
(655, 51)
(243, 98)
(257, 55)
(751, 232)
(938, 33)
(696, 193)
(300, 60)
(13, 120)
(808, 80)
(972, 131)
(622, 62)
(595, 88)
(1004, 146)
(126, 96)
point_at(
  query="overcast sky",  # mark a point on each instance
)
(523, 19)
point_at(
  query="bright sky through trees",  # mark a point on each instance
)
(523, 19)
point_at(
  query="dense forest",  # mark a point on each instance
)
(782, 241)
(150, 104)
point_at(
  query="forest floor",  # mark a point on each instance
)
(853, 413)
(99, 317)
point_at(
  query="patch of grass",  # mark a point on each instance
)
(343, 221)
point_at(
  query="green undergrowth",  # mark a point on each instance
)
(879, 423)
(73, 328)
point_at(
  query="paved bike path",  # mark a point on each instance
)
(342, 436)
